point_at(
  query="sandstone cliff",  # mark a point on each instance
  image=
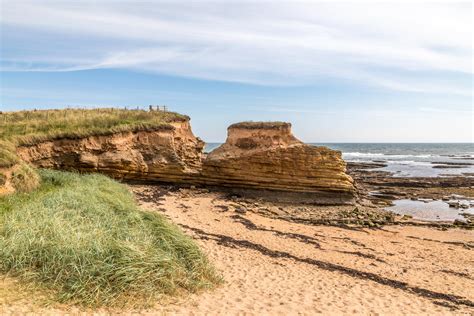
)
(170, 153)
(263, 159)
(266, 156)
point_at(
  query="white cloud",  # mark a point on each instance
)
(271, 43)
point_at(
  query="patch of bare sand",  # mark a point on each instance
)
(275, 267)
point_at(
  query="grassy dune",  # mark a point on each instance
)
(84, 238)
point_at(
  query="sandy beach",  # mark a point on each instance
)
(282, 268)
(277, 267)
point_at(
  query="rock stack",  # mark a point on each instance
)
(265, 157)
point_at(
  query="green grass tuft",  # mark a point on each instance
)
(24, 178)
(8, 157)
(84, 237)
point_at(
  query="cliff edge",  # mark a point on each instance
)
(263, 159)
(168, 153)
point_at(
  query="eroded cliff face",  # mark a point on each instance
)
(266, 156)
(262, 159)
(170, 154)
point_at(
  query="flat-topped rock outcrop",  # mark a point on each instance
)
(266, 156)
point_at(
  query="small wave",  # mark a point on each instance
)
(458, 155)
(393, 163)
(412, 163)
(357, 154)
(388, 156)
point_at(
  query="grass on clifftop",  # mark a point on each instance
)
(84, 238)
(30, 127)
(260, 125)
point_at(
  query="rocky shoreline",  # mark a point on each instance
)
(260, 163)
(381, 189)
(376, 191)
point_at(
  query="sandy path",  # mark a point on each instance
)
(275, 267)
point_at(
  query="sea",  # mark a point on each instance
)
(407, 159)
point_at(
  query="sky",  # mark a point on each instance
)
(352, 71)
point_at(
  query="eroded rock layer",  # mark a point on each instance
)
(262, 159)
(170, 153)
(266, 156)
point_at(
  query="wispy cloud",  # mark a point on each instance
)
(267, 43)
(448, 110)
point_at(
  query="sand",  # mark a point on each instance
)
(276, 267)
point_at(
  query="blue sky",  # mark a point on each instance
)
(340, 72)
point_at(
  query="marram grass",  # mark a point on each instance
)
(8, 157)
(24, 178)
(84, 238)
